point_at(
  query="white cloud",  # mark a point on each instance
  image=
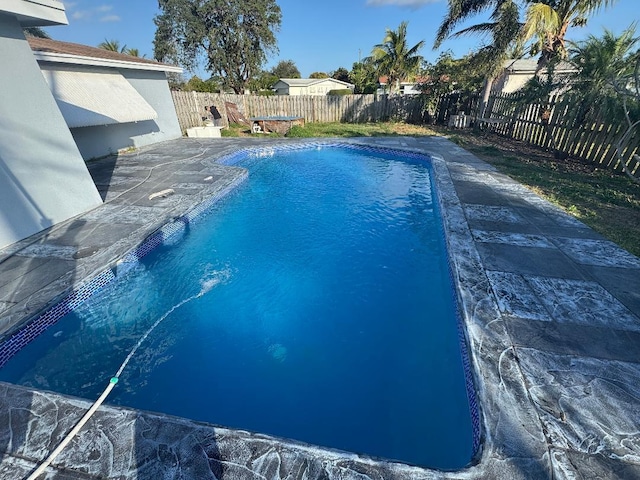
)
(401, 3)
(81, 14)
(100, 13)
(110, 18)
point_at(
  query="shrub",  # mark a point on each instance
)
(341, 91)
(233, 130)
(298, 131)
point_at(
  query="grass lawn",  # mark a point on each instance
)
(314, 130)
(606, 201)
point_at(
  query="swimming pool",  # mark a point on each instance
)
(304, 306)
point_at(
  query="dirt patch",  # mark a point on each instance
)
(482, 143)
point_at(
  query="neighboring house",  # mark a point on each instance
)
(110, 101)
(517, 72)
(406, 88)
(309, 86)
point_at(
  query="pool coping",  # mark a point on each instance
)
(517, 442)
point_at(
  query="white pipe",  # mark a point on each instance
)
(74, 431)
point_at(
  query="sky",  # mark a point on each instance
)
(316, 36)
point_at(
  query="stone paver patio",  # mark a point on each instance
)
(552, 312)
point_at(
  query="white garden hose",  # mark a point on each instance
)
(74, 431)
(206, 286)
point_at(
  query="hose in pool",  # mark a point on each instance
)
(206, 286)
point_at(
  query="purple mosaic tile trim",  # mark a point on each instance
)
(474, 409)
(34, 328)
(258, 152)
(470, 387)
(77, 297)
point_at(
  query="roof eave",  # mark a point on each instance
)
(36, 13)
(42, 56)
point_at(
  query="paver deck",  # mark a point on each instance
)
(552, 311)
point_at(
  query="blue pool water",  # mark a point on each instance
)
(313, 303)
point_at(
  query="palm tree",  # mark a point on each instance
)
(134, 52)
(394, 59)
(503, 29)
(112, 46)
(627, 87)
(606, 88)
(547, 21)
(601, 61)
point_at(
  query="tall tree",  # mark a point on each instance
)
(363, 76)
(341, 74)
(547, 21)
(165, 47)
(286, 69)
(233, 35)
(394, 59)
(35, 32)
(318, 75)
(503, 30)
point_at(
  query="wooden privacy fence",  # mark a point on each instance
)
(314, 108)
(562, 129)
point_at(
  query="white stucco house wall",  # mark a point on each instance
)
(409, 87)
(109, 100)
(309, 86)
(43, 177)
(517, 72)
(50, 123)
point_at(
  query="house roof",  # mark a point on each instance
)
(384, 80)
(32, 13)
(306, 82)
(531, 64)
(47, 49)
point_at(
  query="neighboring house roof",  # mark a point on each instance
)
(384, 80)
(46, 49)
(307, 82)
(529, 65)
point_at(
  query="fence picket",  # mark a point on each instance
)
(594, 143)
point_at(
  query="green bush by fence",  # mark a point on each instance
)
(343, 91)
